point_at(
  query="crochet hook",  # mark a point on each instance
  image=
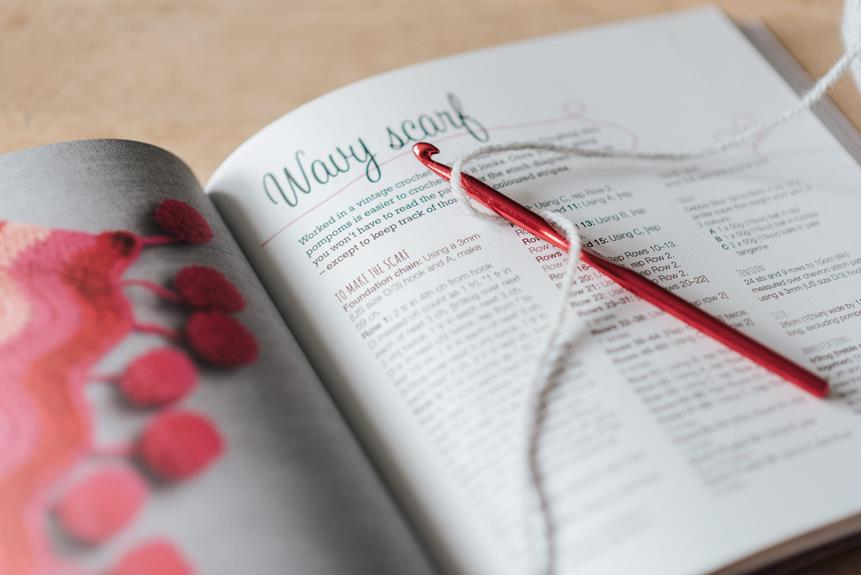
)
(664, 299)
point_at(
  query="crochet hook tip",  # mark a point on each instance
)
(423, 151)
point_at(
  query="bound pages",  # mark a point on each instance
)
(664, 452)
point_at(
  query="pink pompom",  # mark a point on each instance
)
(102, 504)
(179, 444)
(160, 377)
(220, 339)
(206, 288)
(183, 222)
(156, 557)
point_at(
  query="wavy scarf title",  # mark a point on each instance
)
(303, 175)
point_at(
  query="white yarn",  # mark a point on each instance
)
(544, 382)
(851, 32)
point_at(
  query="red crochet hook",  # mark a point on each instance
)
(636, 284)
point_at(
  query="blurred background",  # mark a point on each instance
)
(198, 77)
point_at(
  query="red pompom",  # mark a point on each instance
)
(156, 557)
(179, 444)
(159, 377)
(220, 339)
(206, 288)
(99, 507)
(183, 222)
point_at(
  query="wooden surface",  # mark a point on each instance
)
(198, 77)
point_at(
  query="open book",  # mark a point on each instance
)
(157, 414)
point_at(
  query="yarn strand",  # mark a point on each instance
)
(544, 383)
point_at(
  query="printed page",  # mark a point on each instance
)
(181, 464)
(664, 452)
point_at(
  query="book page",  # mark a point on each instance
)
(665, 453)
(268, 478)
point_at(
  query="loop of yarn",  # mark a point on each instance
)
(560, 334)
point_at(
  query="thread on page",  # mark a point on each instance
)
(545, 381)
(561, 332)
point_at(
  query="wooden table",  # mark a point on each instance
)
(198, 77)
